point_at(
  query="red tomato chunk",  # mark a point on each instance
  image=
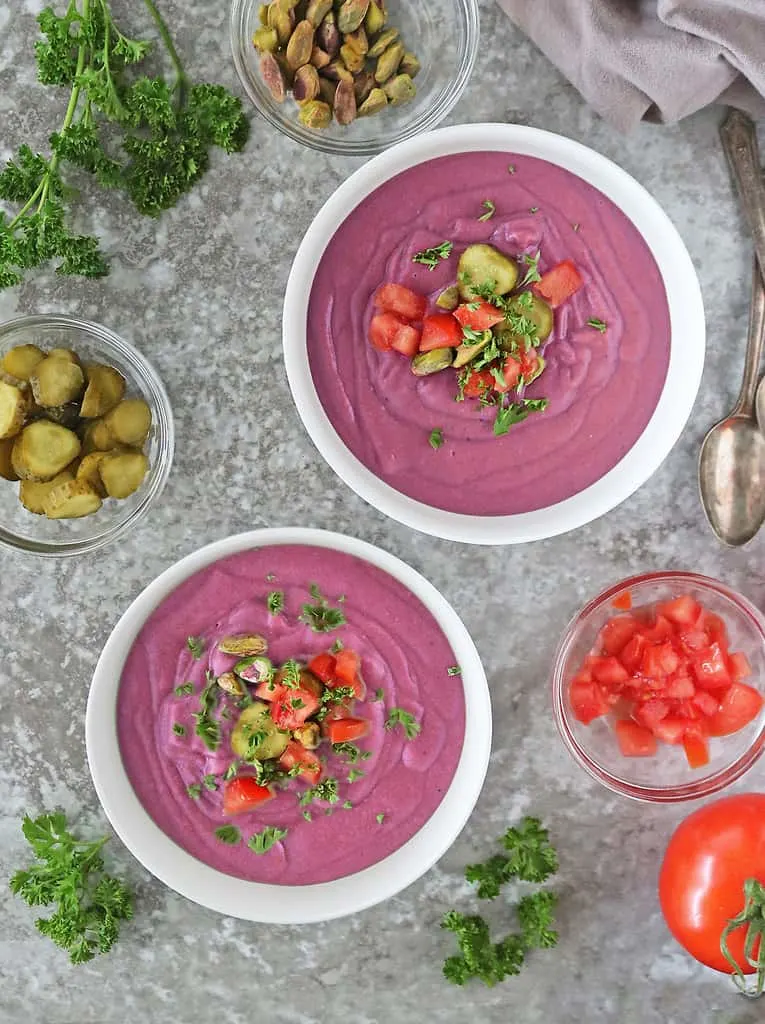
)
(395, 298)
(440, 330)
(667, 673)
(481, 318)
(559, 283)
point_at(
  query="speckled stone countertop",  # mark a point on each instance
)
(200, 293)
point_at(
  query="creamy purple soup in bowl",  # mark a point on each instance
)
(162, 729)
(622, 362)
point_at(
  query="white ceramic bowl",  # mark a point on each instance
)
(686, 323)
(280, 904)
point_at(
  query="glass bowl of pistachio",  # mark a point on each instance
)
(354, 76)
(86, 435)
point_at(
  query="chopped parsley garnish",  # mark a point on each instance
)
(380, 818)
(533, 209)
(436, 438)
(347, 806)
(196, 645)
(431, 257)
(511, 168)
(194, 790)
(307, 815)
(231, 771)
(262, 842)
(297, 703)
(270, 578)
(321, 617)
(333, 695)
(454, 670)
(397, 716)
(379, 694)
(599, 325)
(325, 790)
(516, 412)
(210, 782)
(337, 646)
(290, 674)
(532, 271)
(529, 857)
(207, 727)
(348, 750)
(275, 602)
(178, 729)
(228, 834)
(184, 690)
(366, 755)
(575, 227)
(354, 774)
(267, 772)
(490, 209)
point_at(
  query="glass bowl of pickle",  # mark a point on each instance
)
(354, 77)
(86, 435)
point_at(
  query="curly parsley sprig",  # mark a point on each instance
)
(147, 137)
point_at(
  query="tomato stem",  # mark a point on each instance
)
(753, 917)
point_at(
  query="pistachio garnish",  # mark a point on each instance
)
(375, 19)
(309, 735)
(305, 85)
(316, 11)
(364, 84)
(244, 644)
(265, 40)
(300, 45)
(337, 71)
(319, 58)
(381, 44)
(329, 35)
(345, 102)
(431, 362)
(315, 114)
(400, 90)
(357, 41)
(273, 77)
(281, 20)
(327, 90)
(388, 62)
(374, 103)
(353, 60)
(449, 298)
(230, 684)
(409, 64)
(352, 14)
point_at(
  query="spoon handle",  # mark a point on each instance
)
(739, 139)
(754, 345)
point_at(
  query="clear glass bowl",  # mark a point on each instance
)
(666, 777)
(93, 343)
(443, 34)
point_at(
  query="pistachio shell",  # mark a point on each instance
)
(317, 10)
(337, 71)
(327, 90)
(352, 14)
(265, 40)
(375, 19)
(388, 62)
(305, 85)
(329, 35)
(353, 61)
(374, 103)
(364, 84)
(400, 90)
(315, 114)
(432, 362)
(345, 102)
(449, 298)
(281, 20)
(300, 45)
(319, 58)
(273, 77)
(383, 41)
(409, 65)
(357, 40)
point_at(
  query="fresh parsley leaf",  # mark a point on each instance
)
(454, 670)
(366, 755)
(532, 270)
(297, 703)
(231, 771)
(599, 325)
(489, 876)
(228, 834)
(194, 790)
(275, 602)
(210, 782)
(436, 438)
(178, 729)
(379, 694)
(431, 257)
(479, 956)
(354, 774)
(307, 815)
(89, 904)
(379, 818)
(533, 209)
(511, 168)
(196, 645)
(347, 806)
(536, 913)
(337, 646)
(321, 617)
(289, 674)
(184, 690)
(207, 726)
(531, 856)
(333, 695)
(575, 227)
(348, 750)
(490, 209)
(516, 412)
(262, 842)
(325, 790)
(397, 716)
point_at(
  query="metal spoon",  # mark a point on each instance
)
(732, 457)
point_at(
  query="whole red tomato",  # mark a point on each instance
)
(701, 886)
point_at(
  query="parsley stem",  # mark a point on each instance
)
(162, 28)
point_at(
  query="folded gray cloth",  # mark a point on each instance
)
(658, 60)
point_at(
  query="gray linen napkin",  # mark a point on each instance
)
(655, 59)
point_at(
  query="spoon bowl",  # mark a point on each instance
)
(732, 478)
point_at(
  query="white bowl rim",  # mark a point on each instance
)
(687, 326)
(280, 904)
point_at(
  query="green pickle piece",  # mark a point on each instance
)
(257, 719)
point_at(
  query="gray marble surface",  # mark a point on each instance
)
(200, 293)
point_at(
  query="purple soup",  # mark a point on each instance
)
(602, 387)
(403, 653)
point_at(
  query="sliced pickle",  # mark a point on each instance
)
(45, 449)
(56, 381)
(7, 472)
(33, 495)
(484, 267)
(96, 437)
(449, 298)
(20, 361)
(88, 470)
(256, 722)
(14, 405)
(106, 388)
(129, 422)
(122, 473)
(71, 500)
(64, 353)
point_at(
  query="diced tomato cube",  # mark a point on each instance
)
(696, 749)
(244, 794)
(622, 602)
(634, 740)
(693, 639)
(323, 667)
(480, 319)
(661, 629)
(671, 729)
(588, 701)
(659, 661)
(559, 283)
(706, 703)
(739, 706)
(387, 331)
(610, 672)
(651, 712)
(511, 372)
(346, 730)
(532, 365)
(683, 611)
(440, 330)
(739, 666)
(407, 341)
(685, 709)
(616, 633)
(395, 298)
(680, 688)
(714, 627)
(632, 653)
(478, 383)
(293, 707)
(296, 754)
(346, 666)
(268, 690)
(337, 711)
(710, 668)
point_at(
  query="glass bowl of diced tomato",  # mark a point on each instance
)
(659, 687)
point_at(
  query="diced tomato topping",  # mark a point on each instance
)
(244, 794)
(610, 672)
(711, 669)
(296, 754)
(739, 706)
(661, 629)
(388, 331)
(293, 707)
(616, 633)
(511, 371)
(683, 611)
(268, 690)
(739, 667)
(480, 319)
(395, 298)
(337, 711)
(559, 283)
(440, 330)
(346, 667)
(715, 628)
(706, 703)
(407, 341)
(694, 639)
(650, 712)
(659, 661)
(532, 365)
(623, 602)
(696, 749)
(478, 383)
(588, 701)
(671, 729)
(323, 667)
(680, 688)
(634, 740)
(632, 653)
(346, 730)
